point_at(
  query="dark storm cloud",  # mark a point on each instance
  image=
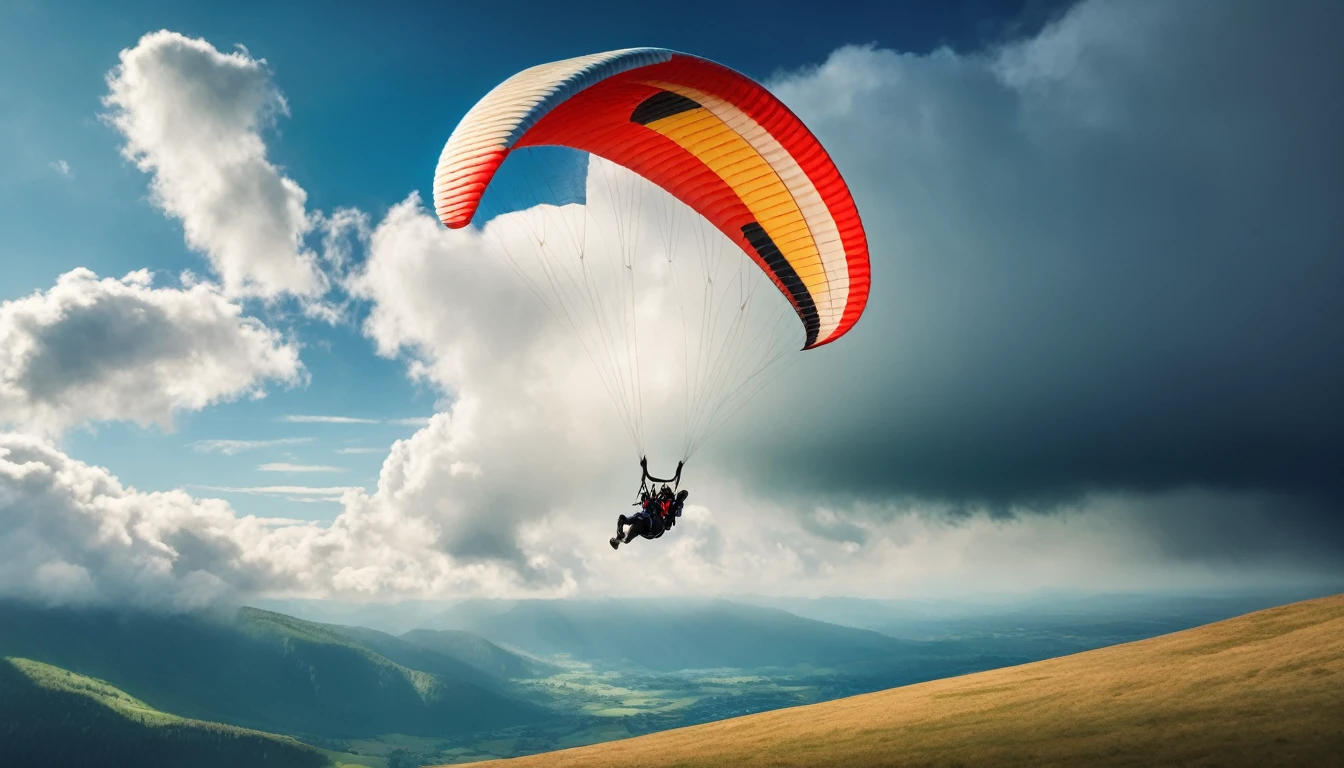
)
(1243, 529)
(1106, 258)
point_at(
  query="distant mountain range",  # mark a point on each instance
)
(394, 618)
(451, 654)
(1093, 619)
(668, 635)
(480, 653)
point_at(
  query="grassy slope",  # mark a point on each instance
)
(54, 717)
(1262, 689)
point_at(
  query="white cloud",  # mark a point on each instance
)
(328, 492)
(345, 231)
(286, 467)
(467, 325)
(192, 117)
(301, 419)
(62, 167)
(354, 451)
(232, 447)
(415, 421)
(72, 533)
(94, 350)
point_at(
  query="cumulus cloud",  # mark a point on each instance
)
(529, 432)
(192, 118)
(93, 349)
(72, 533)
(528, 466)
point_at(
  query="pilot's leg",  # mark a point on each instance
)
(638, 526)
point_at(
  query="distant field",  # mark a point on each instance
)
(1265, 689)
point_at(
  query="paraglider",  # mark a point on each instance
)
(659, 509)
(721, 168)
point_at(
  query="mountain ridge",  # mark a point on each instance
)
(53, 717)
(657, 634)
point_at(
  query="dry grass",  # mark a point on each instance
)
(1265, 689)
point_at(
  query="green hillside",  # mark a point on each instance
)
(1264, 689)
(53, 717)
(257, 669)
(479, 653)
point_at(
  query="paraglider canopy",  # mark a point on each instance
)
(705, 139)
(712, 137)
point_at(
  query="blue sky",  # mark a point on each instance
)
(1101, 349)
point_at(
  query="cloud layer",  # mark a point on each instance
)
(73, 534)
(93, 349)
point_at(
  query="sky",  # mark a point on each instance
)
(239, 356)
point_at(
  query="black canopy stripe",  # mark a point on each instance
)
(660, 105)
(782, 269)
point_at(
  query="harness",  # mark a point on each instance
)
(657, 526)
(656, 510)
(644, 481)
